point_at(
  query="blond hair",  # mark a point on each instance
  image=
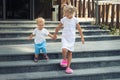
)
(40, 19)
(69, 9)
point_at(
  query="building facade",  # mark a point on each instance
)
(29, 9)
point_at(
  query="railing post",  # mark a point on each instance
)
(93, 9)
(80, 8)
(99, 14)
(103, 13)
(117, 15)
(89, 9)
(107, 13)
(4, 9)
(84, 8)
(112, 16)
(59, 11)
(96, 11)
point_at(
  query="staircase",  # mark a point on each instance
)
(97, 59)
(17, 32)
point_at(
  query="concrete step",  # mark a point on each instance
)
(26, 22)
(15, 34)
(56, 55)
(53, 65)
(33, 22)
(89, 49)
(97, 59)
(112, 79)
(24, 40)
(49, 27)
(83, 74)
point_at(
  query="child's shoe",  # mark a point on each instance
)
(69, 71)
(63, 63)
(35, 59)
(46, 56)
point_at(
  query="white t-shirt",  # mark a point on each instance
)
(40, 35)
(69, 32)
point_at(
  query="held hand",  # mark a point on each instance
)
(54, 37)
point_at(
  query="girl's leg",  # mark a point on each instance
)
(69, 58)
(64, 53)
(63, 63)
(68, 69)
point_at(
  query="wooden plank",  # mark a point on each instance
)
(89, 8)
(80, 8)
(117, 15)
(71, 2)
(99, 14)
(103, 15)
(93, 9)
(112, 16)
(84, 8)
(107, 10)
(59, 11)
(75, 3)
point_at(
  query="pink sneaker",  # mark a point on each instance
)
(69, 71)
(63, 63)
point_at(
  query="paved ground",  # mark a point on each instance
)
(56, 47)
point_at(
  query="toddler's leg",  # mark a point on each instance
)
(37, 51)
(36, 58)
(36, 55)
(45, 53)
(46, 56)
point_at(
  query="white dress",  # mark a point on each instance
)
(69, 32)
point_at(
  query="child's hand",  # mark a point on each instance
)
(54, 37)
(30, 37)
(83, 41)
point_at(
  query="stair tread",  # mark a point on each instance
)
(112, 79)
(56, 74)
(56, 61)
(92, 36)
(33, 25)
(111, 46)
(27, 22)
(7, 32)
(51, 47)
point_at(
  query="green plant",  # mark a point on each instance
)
(105, 27)
(113, 30)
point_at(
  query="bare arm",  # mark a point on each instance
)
(51, 36)
(31, 36)
(81, 33)
(58, 28)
